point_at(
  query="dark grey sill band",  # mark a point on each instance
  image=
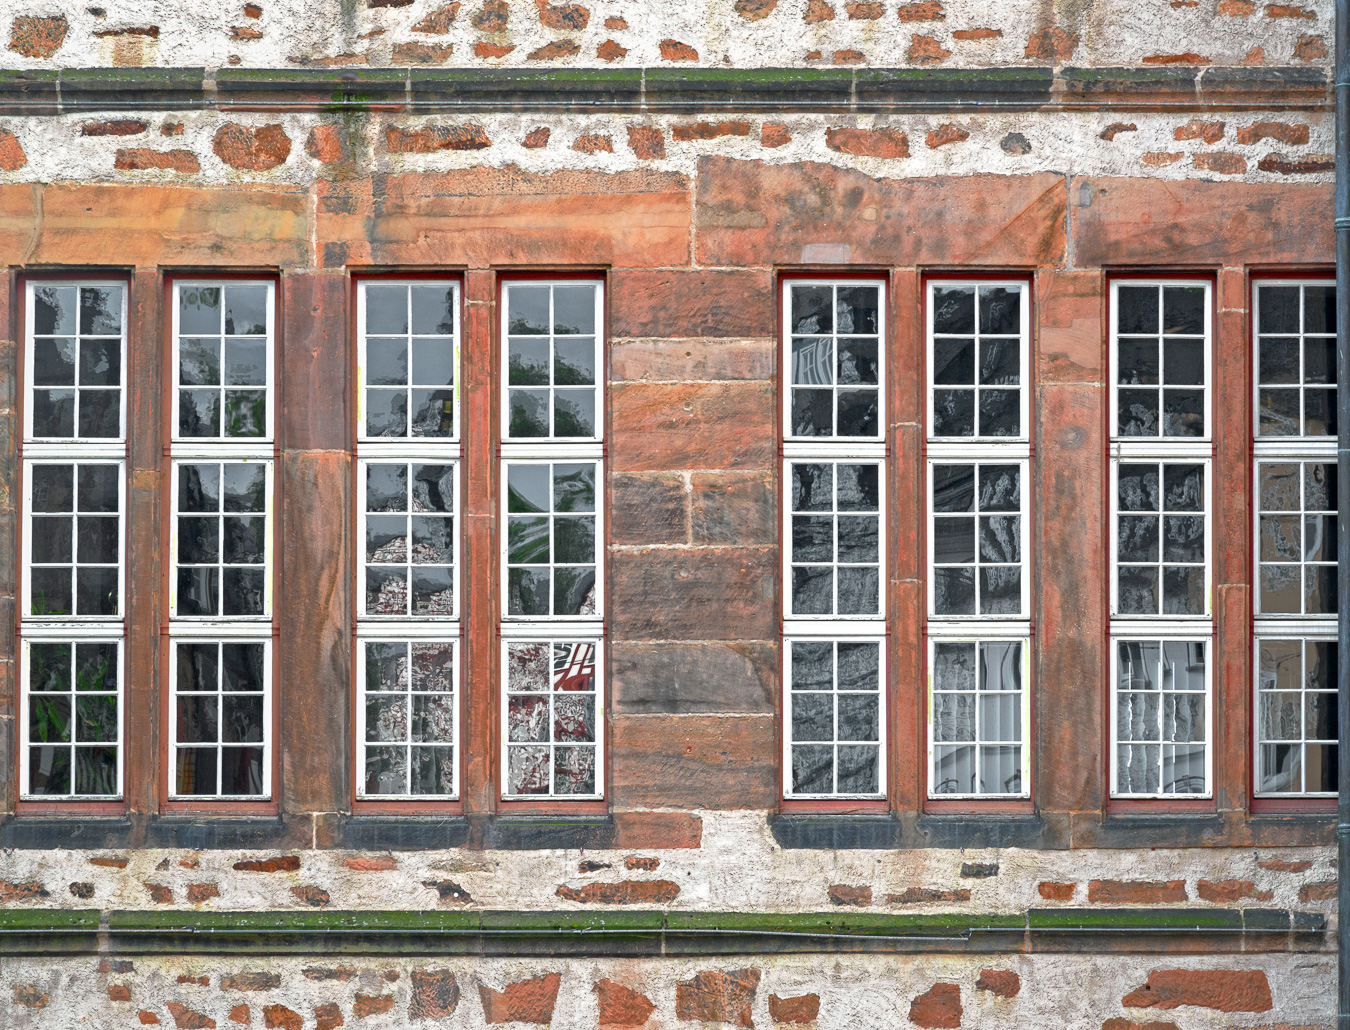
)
(699, 91)
(34, 932)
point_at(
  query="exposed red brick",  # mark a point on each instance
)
(818, 11)
(116, 965)
(250, 982)
(625, 892)
(1289, 11)
(946, 133)
(926, 895)
(1301, 166)
(113, 127)
(1054, 44)
(844, 894)
(435, 994)
(388, 3)
(12, 158)
(448, 890)
(977, 34)
(37, 36)
(611, 51)
(754, 10)
(195, 981)
(708, 130)
(241, 1014)
(813, 55)
(1158, 158)
(863, 10)
(1228, 891)
(888, 143)
(1279, 865)
(244, 33)
(1324, 890)
(187, 1019)
(1052, 891)
(802, 1009)
(563, 17)
(1310, 48)
(1237, 8)
(279, 1017)
(491, 17)
(552, 51)
(422, 53)
(254, 150)
(372, 1004)
(390, 976)
(646, 141)
(26, 891)
(773, 135)
(1210, 132)
(371, 864)
(593, 143)
(1003, 983)
(314, 897)
(526, 1001)
(717, 996)
(1186, 58)
(647, 865)
(327, 1016)
(431, 138)
(159, 893)
(1121, 1023)
(135, 159)
(940, 1007)
(674, 50)
(147, 1017)
(337, 973)
(119, 992)
(82, 890)
(438, 22)
(331, 61)
(1228, 990)
(849, 57)
(924, 10)
(146, 31)
(326, 145)
(175, 129)
(252, 11)
(926, 50)
(615, 24)
(621, 1006)
(1222, 162)
(200, 892)
(1136, 892)
(279, 864)
(489, 50)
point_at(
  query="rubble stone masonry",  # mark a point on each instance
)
(687, 154)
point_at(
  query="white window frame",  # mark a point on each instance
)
(533, 443)
(71, 636)
(1301, 442)
(834, 459)
(269, 548)
(1301, 513)
(1172, 443)
(551, 634)
(1207, 513)
(410, 633)
(89, 445)
(222, 443)
(222, 633)
(1024, 372)
(398, 445)
(973, 456)
(406, 457)
(846, 633)
(993, 634)
(787, 386)
(1302, 632)
(1138, 631)
(72, 458)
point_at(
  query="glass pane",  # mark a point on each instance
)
(574, 362)
(954, 309)
(246, 362)
(245, 487)
(1278, 360)
(433, 718)
(812, 309)
(527, 362)
(241, 771)
(812, 665)
(813, 361)
(529, 413)
(858, 412)
(198, 540)
(953, 412)
(433, 412)
(54, 413)
(812, 590)
(1137, 309)
(1000, 309)
(954, 591)
(53, 309)
(1184, 309)
(527, 770)
(242, 591)
(527, 309)
(96, 771)
(386, 362)
(1000, 362)
(386, 770)
(53, 362)
(812, 412)
(1137, 412)
(859, 666)
(859, 769)
(96, 591)
(574, 412)
(100, 362)
(433, 591)
(859, 717)
(858, 361)
(433, 310)
(199, 310)
(100, 310)
(856, 309)
(954, 362)
(1279, 309)
(1278, 412)
(574, 310)
(49, 770)
(386, 310)
(386, 666)
(812, 769)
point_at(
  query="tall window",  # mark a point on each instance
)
(408, 488)
(220, 542)
(1295, 537)
(74, 497)
(1161, 532)
(979, 580)
(552, 480)
(834, 595)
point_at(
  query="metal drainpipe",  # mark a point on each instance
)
(1342, 88)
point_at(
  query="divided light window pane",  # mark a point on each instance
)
(1160, 717)
(552, 361)
(553, 718)
(73, 539)
(410, 353)
(1162, 360)
(1296, 728)
(552, 530)
(836, 714)
(222, 539)
(411, 538)
(836, 538)
(1296, 360)
(77, 353)
(407, 724)
(220, 720)
(978, 361)
(1161, 538)
(835, 361)
(979, 712)
(223, 360)
(72, 720)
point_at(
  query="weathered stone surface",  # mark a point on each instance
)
(845, 894)
(1229, 892)
(694, 761)
(278, 864)
(187, 1019)
(1003, 983)
(710, 593)
(37, 36)
(648, 509)
(691, 425)
(1136, 892)
(674, 678)
(625, 892)
(250, 982)
(526, 1001)
(254, 150)
(435, 994)
(1227, 990)
(620, 1005)
(801, 1010)
(939, 1007)
(717, 996)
